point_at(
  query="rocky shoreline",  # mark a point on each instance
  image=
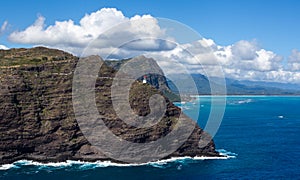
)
(37, 120)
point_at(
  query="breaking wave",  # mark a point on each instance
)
(81, 165)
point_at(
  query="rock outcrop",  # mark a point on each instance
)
(37, 120)
(156, 80)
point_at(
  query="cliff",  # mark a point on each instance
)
(156, 80)
(37, 120)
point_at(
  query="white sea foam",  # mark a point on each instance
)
(90, 165)
(245, 101)
(238, 102)
(227, 154)
(7, 166)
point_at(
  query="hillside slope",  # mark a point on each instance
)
(37, 120)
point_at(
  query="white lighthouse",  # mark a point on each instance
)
(145, 80)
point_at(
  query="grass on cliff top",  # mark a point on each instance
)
(32, 56)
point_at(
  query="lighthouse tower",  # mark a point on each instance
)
(145, 80)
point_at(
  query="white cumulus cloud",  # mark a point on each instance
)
(95, 28)
(244, 50)
(142, 34)
(243, 60)
(3, 47)
(294, 60)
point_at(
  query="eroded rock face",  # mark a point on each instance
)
(37, 120)
(158, 80)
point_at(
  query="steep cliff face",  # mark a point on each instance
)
(37, 120)
(156, 80)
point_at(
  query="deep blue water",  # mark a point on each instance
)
(263, 132)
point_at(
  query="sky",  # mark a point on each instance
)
(251, 39)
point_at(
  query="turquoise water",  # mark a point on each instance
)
(262, 134)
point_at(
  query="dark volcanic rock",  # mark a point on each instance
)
(37, 120)
(156, 80)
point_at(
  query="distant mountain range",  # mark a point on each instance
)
(235, 87)
(286, 86)
(203, 84)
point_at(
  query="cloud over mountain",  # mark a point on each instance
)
(243, 60)
(3, 47)
(143, 34)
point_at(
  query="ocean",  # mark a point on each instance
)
(259, 135)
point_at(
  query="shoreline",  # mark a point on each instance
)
(108, 163)
(68, 163)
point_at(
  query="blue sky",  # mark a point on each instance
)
(274, 24)
(250, 28)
